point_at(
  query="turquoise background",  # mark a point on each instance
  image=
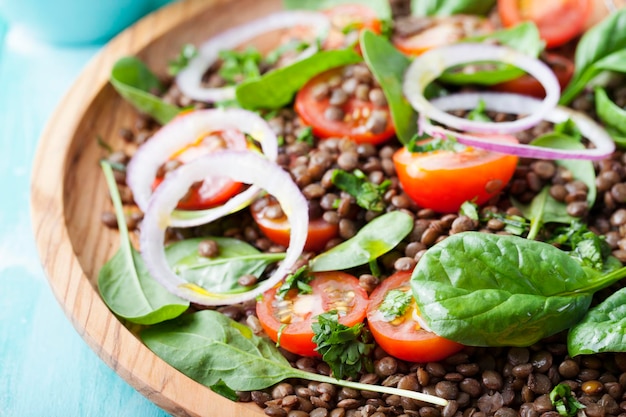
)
(46, 369)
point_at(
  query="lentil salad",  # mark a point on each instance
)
(503, 381)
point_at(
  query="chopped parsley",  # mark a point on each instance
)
(417, 144)
(345, 349)
(395, 304)
(298, 280)
(238, 66)
(585, 246)
(186, 54)
(566, 404)
(367, 194)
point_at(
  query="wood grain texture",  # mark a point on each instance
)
(68, 195)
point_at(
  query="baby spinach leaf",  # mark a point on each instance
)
(381, 7)
(523, 38)
(214, 350)
(275, 89)
(602, 329)
(345, 349)
(373, 240)
(603, 47)
(450, 7)
(124, 282)
(137, 84)
(610, 113)
(543, 209)
(220, 273)
(494, 290)
(388, 66)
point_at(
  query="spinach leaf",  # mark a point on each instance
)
(610, 113)
(494, 290)
(603, 47)
(124, 282)
(373, 240)
(214, 350)
(543, 209)
(345, 349)
(450, 7)
(368, 195)
(381, 7)
(523, 38)
(276, 88)
(220, 273)
(602, 329)
(388, 66)
(137, 84)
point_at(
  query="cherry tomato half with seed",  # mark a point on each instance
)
(402, 336)
(562, 67)
(288, 320)
(558, 21)
(213, 191)
(347, 21)
(432, 32)
(362, 121)
(268, 215)
(442, 180)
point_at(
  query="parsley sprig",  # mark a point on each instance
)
(298, 280)
(367, 194)
(566, 404)
(395, 304)
(345, 349)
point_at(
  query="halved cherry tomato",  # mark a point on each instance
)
(347, 19)
(212, 191)
(403, 337)
(357, 113)
(277, 229)
(443, 180)
(562, 66)
(440, 31)
(558, 21)
(289, 320)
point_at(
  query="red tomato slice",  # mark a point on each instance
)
(349, 18)
(291, 317)
(212, 191)
(558, 21)
(278, 231)
(563, 68)
(442, 31)
(443, 180)
(403, 337)
(353, 125)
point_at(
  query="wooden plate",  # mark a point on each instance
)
(68, 194)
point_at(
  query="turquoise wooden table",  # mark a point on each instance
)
(46, 369)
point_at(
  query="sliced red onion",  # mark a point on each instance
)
(430, 65)
(189, 80)
(187, 129)
(520, 104)
(242, 166)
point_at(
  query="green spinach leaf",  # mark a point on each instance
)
(345, 349)
(450, 7)
(543, 209)
(610, 113)
(373, 240)
(220, 273)
(124, 282)
(523, 37)
(213, 350)
(275, 89)
(388, 66)
(493, 290)
(603, 47)
(137, 84)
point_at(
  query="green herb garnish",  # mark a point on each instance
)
(238, 66)
(345, 349)
(395, 304)
(298, 280)
(186, 54)
(367, 194)
(566, 404)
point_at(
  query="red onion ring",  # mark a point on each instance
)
(184, 130)
(430, 65)
(518, 104)
(242, 166)
(189, 80)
